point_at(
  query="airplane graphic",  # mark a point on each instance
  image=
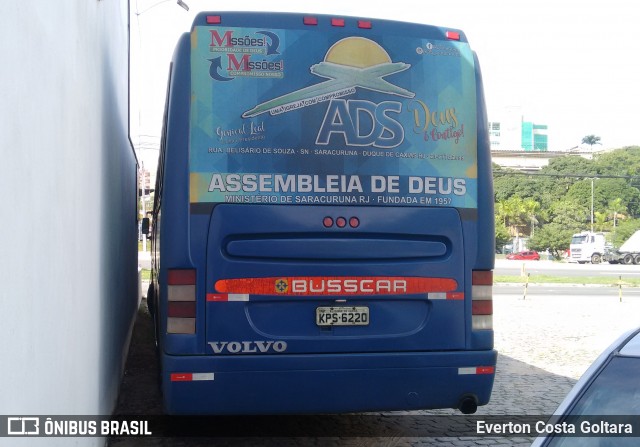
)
(340, 77)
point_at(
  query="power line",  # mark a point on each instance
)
(582, 176)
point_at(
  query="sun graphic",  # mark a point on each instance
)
(357, 52)
(353, 62)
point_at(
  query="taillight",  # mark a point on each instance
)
(336, 21)
(452, 35)
(482, 300)
(181, 305)
(311, 21)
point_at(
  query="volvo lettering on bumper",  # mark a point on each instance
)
(247, 347)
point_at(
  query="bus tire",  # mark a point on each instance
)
(150, 300)
(152, 305)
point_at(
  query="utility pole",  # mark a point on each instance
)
(592, 180)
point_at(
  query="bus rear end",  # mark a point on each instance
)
(325, 219)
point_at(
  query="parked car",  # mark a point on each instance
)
(607, 394)
(530, 255)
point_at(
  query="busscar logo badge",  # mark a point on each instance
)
(282, 286)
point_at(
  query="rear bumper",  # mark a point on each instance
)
(328, 383)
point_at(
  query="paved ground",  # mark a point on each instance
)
(545, 344)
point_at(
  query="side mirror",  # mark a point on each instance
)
(145, 226)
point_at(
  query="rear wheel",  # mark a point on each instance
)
(636, 260)
(628, 259)
(151, 300)
(152, 305)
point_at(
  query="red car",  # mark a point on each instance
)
(530, 255)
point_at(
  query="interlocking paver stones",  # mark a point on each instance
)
(545, 343)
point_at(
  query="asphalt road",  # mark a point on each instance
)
(566, 269)
(507, 267)
(559, 290)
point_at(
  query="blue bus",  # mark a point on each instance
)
(323, 220)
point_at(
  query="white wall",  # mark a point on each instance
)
(68, 290)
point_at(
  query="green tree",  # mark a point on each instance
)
(563, 193)
(601, 221)
(500, 211)
(626, 228)
(570, 214)
(570, 164)
(610, 189)
(591, 140)
(508, 183)
(531, 210)
(563, 173)
(625, 161)
(505, 184)
(616, 210)
(513, 213)
(553, 237)
(502, 234)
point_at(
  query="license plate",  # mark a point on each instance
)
(342, 316)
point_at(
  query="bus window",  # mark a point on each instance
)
(323, 225)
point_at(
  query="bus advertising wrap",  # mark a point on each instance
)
(298, 117)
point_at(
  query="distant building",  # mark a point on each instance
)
(524, 145)
(534, 137)
(510, 132)
(528, 161)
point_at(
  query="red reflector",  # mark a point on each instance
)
(327, 222)
(354, 222)
(452, 35)
(341, 222)
(482, 278)
(337, 22)
(181, 277)
(364, 24)
(181, 377)
(485, 370)
(182, 309)
(310, 20)
(482, 307)
(214, 20)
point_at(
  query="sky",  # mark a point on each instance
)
(572, 65)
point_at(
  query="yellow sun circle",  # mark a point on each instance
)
(357, 52)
